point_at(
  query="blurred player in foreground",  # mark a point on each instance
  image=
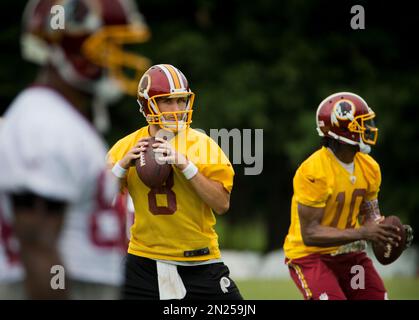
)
(173, 252)
(53, 175)
(332, 189)
(11, 284)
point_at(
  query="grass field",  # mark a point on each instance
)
(398, 289)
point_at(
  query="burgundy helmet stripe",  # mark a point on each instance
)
(168, 76)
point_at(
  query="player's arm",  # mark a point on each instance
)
(37, 224)
(315, 234)
(370, 212)
(119, 169)
(210, 191)
(133, 154)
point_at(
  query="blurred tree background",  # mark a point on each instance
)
(268, 64)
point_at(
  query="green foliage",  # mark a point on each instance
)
(248, 235)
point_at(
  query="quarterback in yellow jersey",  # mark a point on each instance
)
(173, 251)
(334, 187)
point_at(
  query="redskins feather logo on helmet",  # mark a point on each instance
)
(346, 117)
(165, 80)
(342, 110)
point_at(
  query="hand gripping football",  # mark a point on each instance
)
(151, 173)
(389, 253)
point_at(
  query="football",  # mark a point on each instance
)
(388, 254)
(151, 173)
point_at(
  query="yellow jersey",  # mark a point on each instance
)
(322, 182)
(172, 222)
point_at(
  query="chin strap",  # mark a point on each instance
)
(106, 93)
(364, 148)
(101, 119)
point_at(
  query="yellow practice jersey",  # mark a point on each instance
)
(172, 222)
(322, 182)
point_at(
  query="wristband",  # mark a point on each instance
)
(190, 171)
(118, 171)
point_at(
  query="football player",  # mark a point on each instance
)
(332, 189)
(173, 251)
(52, 160)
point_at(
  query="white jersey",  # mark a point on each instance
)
(48, 148)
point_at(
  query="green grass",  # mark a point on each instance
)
(398, 289)
(403, 288)
(269, 290)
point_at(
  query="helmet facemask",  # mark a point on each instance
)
(106, 49)
(170, 120)
(365, 126)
